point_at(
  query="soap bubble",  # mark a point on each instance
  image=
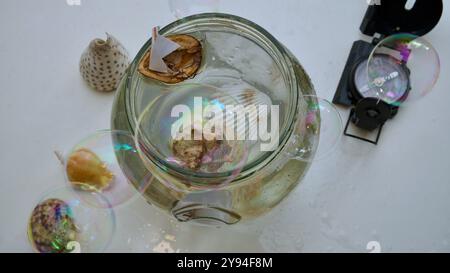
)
(403, 68)
(68, 221)
(400, 86)
(183, 8)
(103, 163)
(184, 130)
(319, 130)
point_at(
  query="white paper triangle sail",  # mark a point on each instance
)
(161, 47)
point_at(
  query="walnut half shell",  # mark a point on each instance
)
(183, 62)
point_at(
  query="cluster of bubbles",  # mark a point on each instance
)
(80, 216)
(403, 68)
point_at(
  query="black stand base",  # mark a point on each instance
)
(375, 142)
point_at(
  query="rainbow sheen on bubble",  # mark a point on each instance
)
(184, 130)
(402, 68)
(319, 132)
(100, 163)
(65, 222)
(397, 82)
(183, 8)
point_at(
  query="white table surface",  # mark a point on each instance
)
(396, 193)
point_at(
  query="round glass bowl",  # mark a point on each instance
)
(240, 60)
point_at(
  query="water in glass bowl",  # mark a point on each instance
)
(240, 69)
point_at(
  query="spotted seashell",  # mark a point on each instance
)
(103, 63)
(52, 227)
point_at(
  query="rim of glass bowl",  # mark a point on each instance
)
(255, 33)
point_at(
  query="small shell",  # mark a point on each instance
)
(183, 62)
(52, 227)
(104, 63)
(85, 168)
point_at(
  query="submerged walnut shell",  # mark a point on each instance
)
(86, 168)
(190, 152)
(194, 154)
(51, 226)
(183, 62)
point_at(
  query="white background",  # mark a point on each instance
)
(396, 193)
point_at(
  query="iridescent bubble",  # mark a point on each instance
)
(402, 68)
(319, 131)
(65, 221)
(186, 130)
(183, 8)
(102, 163)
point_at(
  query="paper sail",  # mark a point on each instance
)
(161, 47)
